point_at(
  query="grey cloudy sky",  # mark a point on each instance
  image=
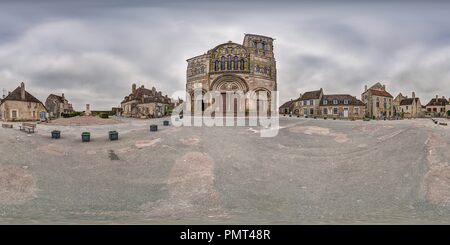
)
(94, 50)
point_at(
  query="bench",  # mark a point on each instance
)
(29, 127)
(7, 125)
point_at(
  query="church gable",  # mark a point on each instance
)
(229, 57)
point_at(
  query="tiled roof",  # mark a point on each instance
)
(149, 95)
(16, 95)
(408, 101)
(400, 96)
(340, 99)
(287, 104)
(438, 102)
(311, 95)
(56, 97)
(377, 86)
(382, 93)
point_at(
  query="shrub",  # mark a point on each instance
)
(72, 114)
(168, 111)
(103, 115)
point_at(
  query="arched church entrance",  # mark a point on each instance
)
(263, 101)
(198, 101)
(232, 90)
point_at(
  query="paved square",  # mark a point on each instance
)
(314, 171)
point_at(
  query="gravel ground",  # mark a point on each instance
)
(81, 121)
(314, 171)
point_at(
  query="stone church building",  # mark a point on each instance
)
(232, 67)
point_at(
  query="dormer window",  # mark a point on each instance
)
(325, 102)
(335, 102)
(345, 102)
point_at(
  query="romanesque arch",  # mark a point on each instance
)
(197, 98)
(229, 83)
(262, 99)
(232, 89)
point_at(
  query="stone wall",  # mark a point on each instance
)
(26, 111)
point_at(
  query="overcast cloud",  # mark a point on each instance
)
(94, 50)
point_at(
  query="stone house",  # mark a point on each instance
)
(396, 103)
(145, 103)
(287, 107)
(379, 102)
(424, 110)
(19, 105)
(58, 105)
(437, 106)
(447, 108)
(411, 107)
(309, 103)
(342, 106)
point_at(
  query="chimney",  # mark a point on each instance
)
(443, 97)
(62, 95)
(413, 95)
(365, 88)
(437, 97)
(384, 87)
(22, 91)
(133, 88)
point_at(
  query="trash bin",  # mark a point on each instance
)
(166, 123)
(56, 134)
(113, 135)
(86, 137)
(153, 128)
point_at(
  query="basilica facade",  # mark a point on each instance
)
(248, 68)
